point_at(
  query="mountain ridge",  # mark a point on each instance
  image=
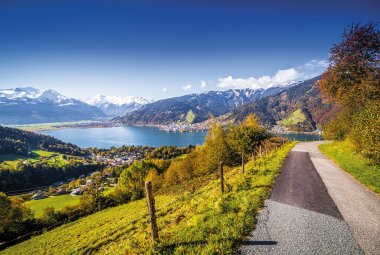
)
(116, 105)
(30, 105)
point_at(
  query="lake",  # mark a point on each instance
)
(133, 135)
(127, 135)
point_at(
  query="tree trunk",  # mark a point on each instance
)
(260, 151)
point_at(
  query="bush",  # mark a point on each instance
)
(365, 132)
(338, 127)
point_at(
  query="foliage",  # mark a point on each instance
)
(13, 214)
(246, 137)
(353, 80)
(353, 76)
(36, 174)
(18, 141)
(365, 131)
(200, 222)
(339, 127)
(132, 179)
(162, 152)
(361, 168)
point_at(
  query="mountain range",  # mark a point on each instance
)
(278, 109)
(30, 105)
(276, 105)
(194, 108)
(116, 105)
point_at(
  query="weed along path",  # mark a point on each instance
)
(312, 211)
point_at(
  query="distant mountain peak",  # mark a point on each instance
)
(25, 105)
(33, 93)
(117, 105)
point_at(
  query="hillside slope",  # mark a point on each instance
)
(199, 106)
(20, 142)
(198, 222)
(304, 98)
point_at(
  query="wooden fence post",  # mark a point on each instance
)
(260, 151)
(221, 176)
(152, 211)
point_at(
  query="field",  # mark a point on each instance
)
(202, 221)
(190, 116)
(50, 126)
(296, 117)
(362, 169)
(58, 202)
(9, 161)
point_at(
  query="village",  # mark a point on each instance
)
(174, 127)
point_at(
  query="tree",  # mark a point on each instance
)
(237, 140)
(245, 137)
(255, 134)
(353, 76)
(132, 179)
(216, 148)
(13, 211)
(365, 132)
(353, 80)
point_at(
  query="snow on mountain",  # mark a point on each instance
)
(30, 105)
(33, 93)
(117, 105)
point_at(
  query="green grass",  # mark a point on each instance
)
(58, 202)
(361, 168)
(51, 126)
(190, 116)
(200, 222)
(296, 117)
(9, 161)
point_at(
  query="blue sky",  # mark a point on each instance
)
(142, 48)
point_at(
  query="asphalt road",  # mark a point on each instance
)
(301, 217)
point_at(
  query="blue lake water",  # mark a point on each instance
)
(127, 135)
(132, 135)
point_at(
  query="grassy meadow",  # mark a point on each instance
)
(296, 117)
(51, 126)
(198, 221)
(9, 161)
(58, 202)
(361, 168)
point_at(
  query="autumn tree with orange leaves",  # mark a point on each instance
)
(353, 81)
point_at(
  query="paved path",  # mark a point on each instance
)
(359, 206)
(308, 211)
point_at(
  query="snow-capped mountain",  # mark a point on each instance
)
(117, 105)
(201, 106)
(30, 105)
